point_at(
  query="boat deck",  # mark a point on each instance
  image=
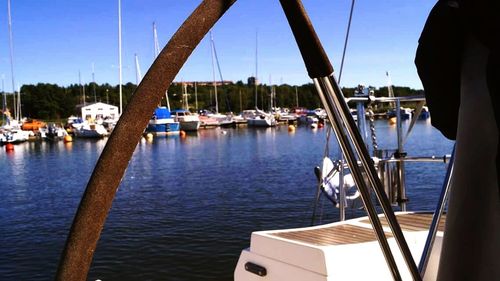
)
(357, 231)
(331, 249)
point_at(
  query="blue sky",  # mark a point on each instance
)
(54, 40)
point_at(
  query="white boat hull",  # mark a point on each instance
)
(15, 136)
(261, 122)
(190, 125)
(91, 131)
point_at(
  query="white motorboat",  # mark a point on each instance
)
(52, 132)
(287, 118)
(187, 120)
(90, 130)
(261, 119)
(15, 136)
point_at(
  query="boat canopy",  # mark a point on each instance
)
(162, 113)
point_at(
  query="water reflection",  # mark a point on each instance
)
(186, 206)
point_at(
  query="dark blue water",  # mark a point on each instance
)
(187, 206)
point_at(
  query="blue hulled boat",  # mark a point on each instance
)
(162, 123)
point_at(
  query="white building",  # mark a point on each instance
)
(99, 110)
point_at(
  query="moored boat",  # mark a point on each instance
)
(206, 120)
(188, 121)
(261, 119)
(424, 114)
(90, 130)
(15, 136)
(162, 123)
(32, 125)
(52, 132)
(406, 113)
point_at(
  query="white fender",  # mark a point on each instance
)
(331, 182)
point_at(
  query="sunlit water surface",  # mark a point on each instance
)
(186, 206)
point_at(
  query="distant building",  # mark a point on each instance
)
(99, 110)
(204, 83)
(251, 81)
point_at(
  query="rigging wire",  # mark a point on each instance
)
(326, 151)
(228, 103)
(346, 40)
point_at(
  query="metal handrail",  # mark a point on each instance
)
(444, 159)
(385, 99)
(431, 236)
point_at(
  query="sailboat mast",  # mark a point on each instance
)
(120, 54)
(82, 88)
(19, 113)
(185, 95)
(11, 46)
(256, 68)
(157, 52)
(241, 104)
(270, 94)
(3, 100)
(389, 87)
(155, 38)
(273, 94)
(213, 72)
(196, 95)
(93, 82)
(138, 76)
(297, 96)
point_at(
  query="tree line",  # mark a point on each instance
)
(54, 102)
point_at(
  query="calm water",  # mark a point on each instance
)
(186, 207)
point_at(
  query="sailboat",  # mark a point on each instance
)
(222, 120)
(258, 117)
(162, 121)
(188, 121)
(11, 132)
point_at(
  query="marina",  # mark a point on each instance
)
(231, 180)
(186, 206)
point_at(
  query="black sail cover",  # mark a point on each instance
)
(438, 65)
(438, 58)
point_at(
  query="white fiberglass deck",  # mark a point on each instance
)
(339, 251)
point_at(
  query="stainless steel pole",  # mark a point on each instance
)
(400, 166)
(320, 70)
(323, 86)
(342, 190)
(431, 236)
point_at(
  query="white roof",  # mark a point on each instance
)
(101, 104)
